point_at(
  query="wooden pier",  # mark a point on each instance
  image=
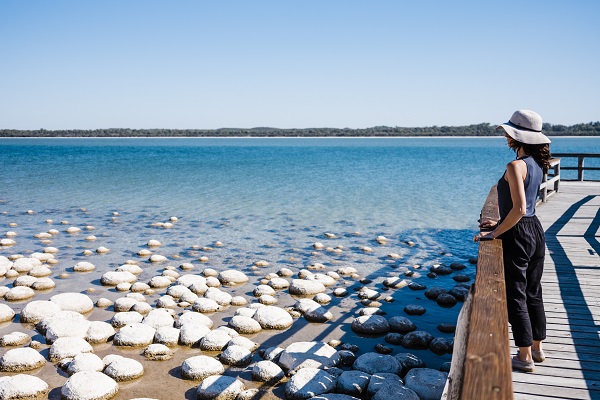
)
(571, 287)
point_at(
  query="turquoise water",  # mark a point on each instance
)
(403, 183)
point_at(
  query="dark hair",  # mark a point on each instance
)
(539, 152)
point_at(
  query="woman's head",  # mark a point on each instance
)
(524, 131)
(540, 152)
(525, 126)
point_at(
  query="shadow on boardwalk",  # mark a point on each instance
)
(570, 287)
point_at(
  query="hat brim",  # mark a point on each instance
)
(524, 136)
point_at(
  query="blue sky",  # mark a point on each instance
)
(326, 63)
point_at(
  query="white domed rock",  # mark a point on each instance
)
(99, 332)
(84, 266)
(308, 354)
(25, 264)
(157, 258)
(77, 302)
(244, 342)
(232, 277)
(158, 318)
(220, 297)
(68, 347)
(89, 385)
(159, 282)
(7, 242)
(309, 382)
(236, 355)
(65, 324)
(15, 339)
(279, 283)
(113, 278)
(245, 325)
(191, 334)
(124, 369)
(267, 371)
(193, 317)
(135, 335)
(267, 300)
(19, 293)
(166, 302)
(303, 287)
(123, 304)
(219, 387)
(215, 340)
(144, 253)
(134, 269)
(121, 319)
(6, 313)
(154, 243)
(189, 279)
(43, 284)
(201, 367)
(271, 317)
(204, 305)
(326, 280)
(22, 386)
(40, 272)
(102, 250)
(158, 352)
(22, 359)
(167, 335)
(85, 362)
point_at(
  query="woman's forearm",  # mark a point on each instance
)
(513, 217)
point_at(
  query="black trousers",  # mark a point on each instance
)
(524, 248)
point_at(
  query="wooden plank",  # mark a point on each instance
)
(557, 381)
(527, 391)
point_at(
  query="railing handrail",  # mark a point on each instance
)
(580, 168)
(481, 367)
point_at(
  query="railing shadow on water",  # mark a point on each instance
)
(569, 285)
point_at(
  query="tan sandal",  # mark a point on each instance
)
(538, 355)
(524, 366)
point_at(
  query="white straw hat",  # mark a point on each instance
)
(526, 127)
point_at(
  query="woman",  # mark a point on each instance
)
(522, 235)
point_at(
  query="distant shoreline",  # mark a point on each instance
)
(475, 130)
(281, 137)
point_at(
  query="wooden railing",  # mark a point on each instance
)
(580, 162)
(481, 367)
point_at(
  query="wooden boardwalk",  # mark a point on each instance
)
(571, 287)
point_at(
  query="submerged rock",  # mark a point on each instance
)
(373, 363)
(370, 324)
(427, 383)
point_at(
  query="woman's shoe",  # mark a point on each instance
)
(519, 365)
(538, 355)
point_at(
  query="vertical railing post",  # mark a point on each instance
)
(556, 173)
(545, 188)
(580, 168)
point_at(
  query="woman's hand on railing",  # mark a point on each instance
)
(486, 226)
(484, 236)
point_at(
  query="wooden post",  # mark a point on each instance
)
(557, 173)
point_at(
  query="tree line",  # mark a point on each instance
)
(483, 129)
